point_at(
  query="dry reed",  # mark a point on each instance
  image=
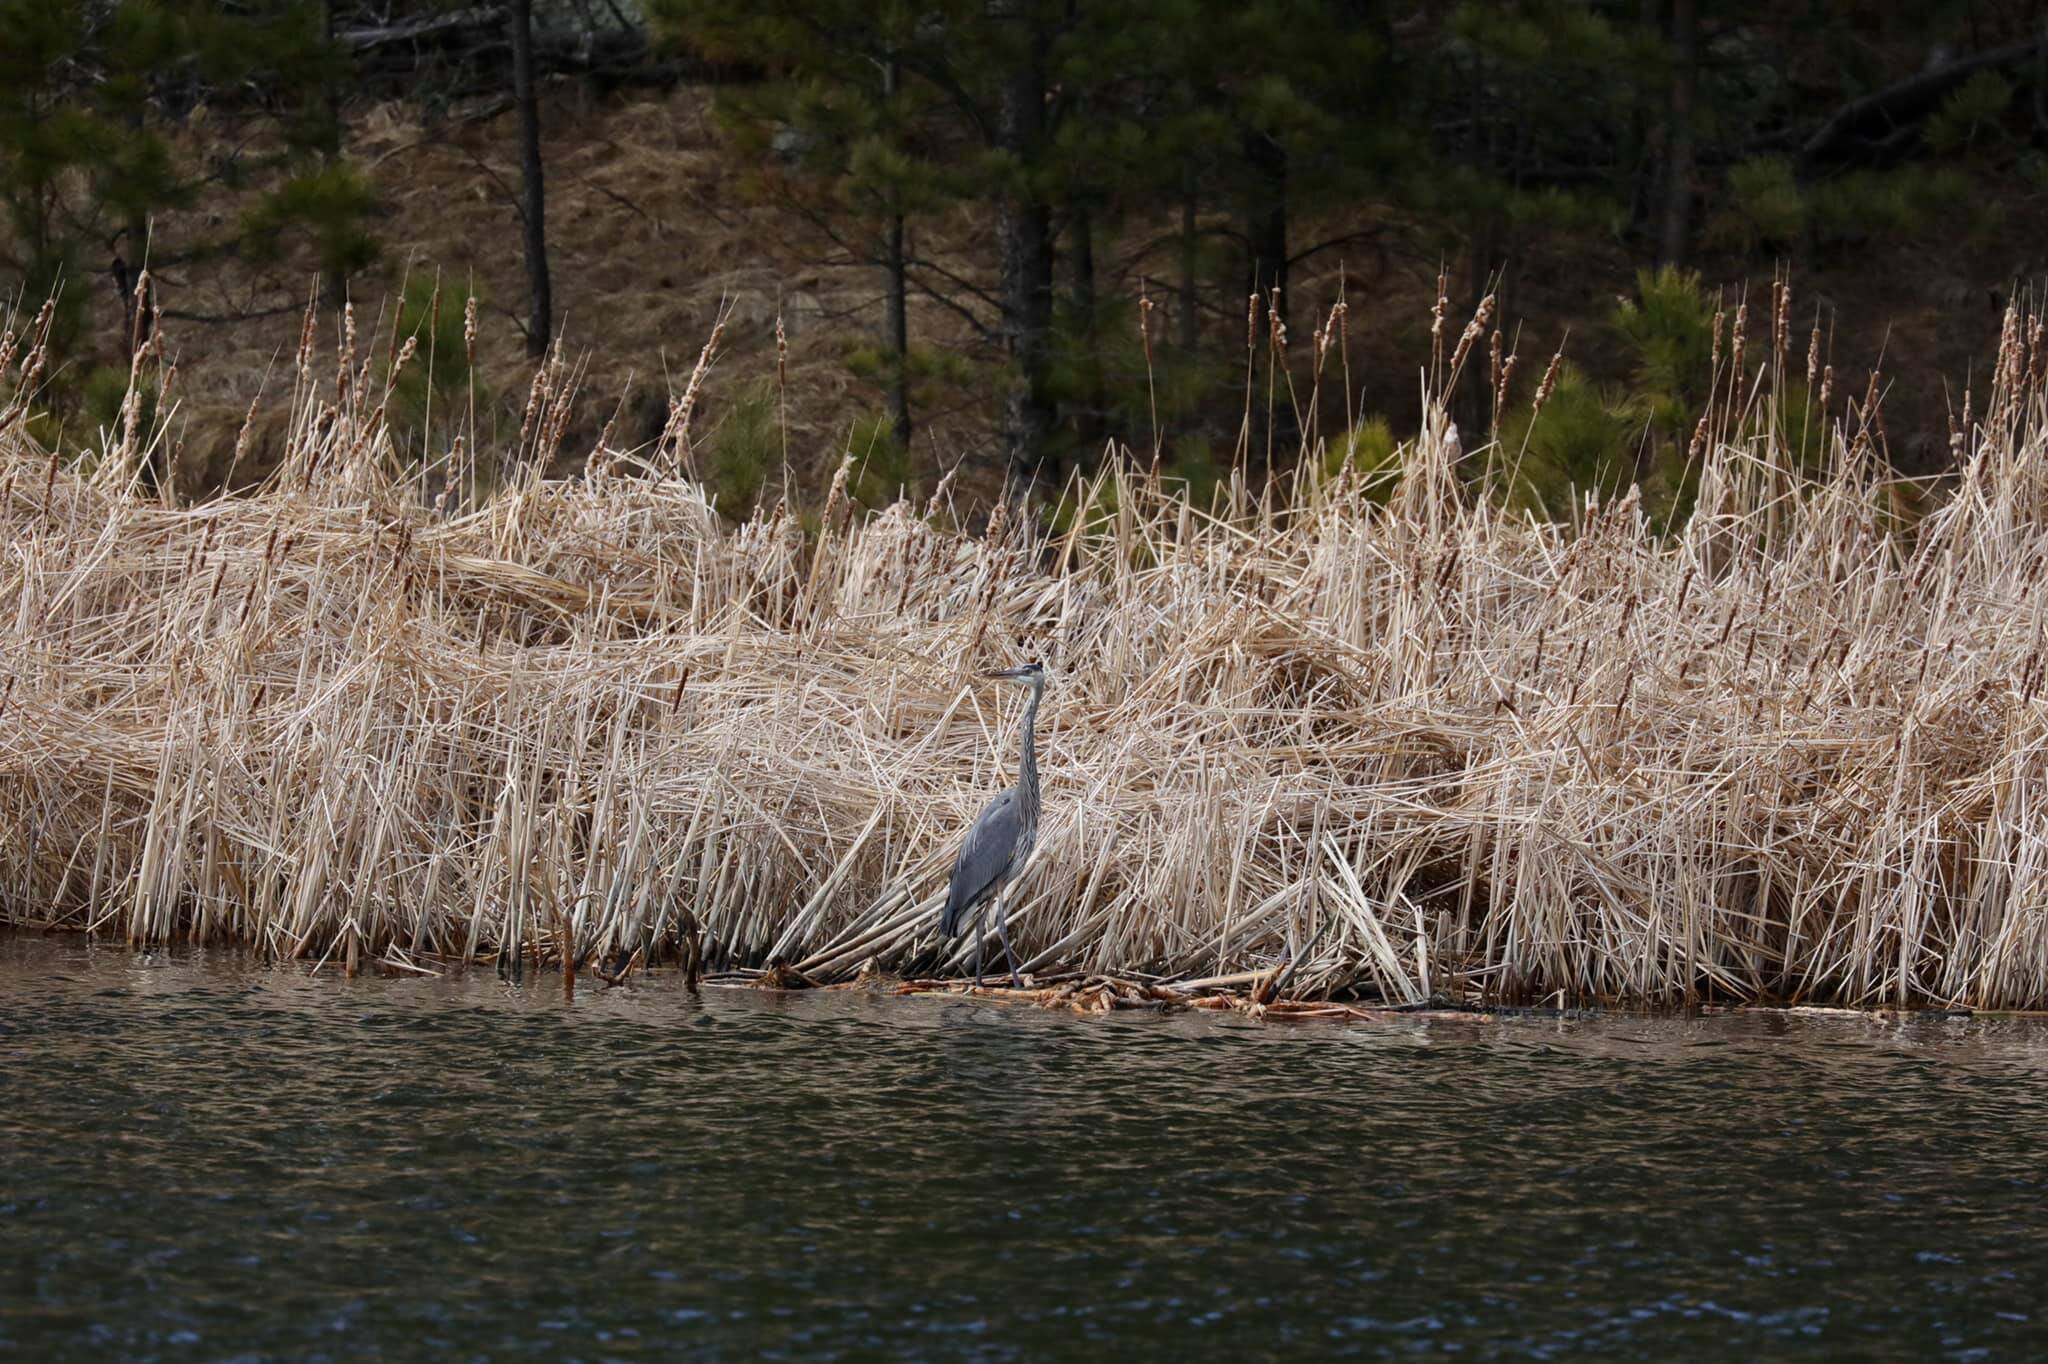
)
(1796, 750)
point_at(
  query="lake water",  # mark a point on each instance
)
(202, 1157)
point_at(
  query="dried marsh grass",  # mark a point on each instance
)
(1793, 750)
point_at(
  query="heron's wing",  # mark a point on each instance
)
(984, 857)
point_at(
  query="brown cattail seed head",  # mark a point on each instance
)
(1473, 331)
(1548, 383)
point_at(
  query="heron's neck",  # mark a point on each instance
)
(1027, 766)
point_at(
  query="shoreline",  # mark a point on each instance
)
(1075, 992)
(1382, 726)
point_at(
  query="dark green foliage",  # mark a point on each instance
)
(882, 470)
(1668, 330)
(1370, 454)
(1195, 462)
(433, 390)
(86, 90)
(1971, 116)
(103, 393)
(1584, 440)
(1182, 151)
(328, 207)
(744, 453)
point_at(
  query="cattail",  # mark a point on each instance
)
(1738, 339)
(679, 416)
(138, 311)
(1326, 336)
(1507, 380)
(837, 493)
(1827, 385)
(405, 354)
(303, 362)
(1720, 320)
(1781, 329)
(1277, 324)
(32, 368)
(1251, 320)
(1874, 410)
(536, 396)
(1813, 353)
(397, 334)
(1436, 314)
(469, 332)
(1548, 382)
(1473, 331)
(945, 485)
(348, 353)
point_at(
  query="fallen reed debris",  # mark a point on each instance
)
(1794, 749)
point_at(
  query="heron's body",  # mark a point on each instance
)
(1000, 841)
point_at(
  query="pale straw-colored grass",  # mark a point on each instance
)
(1796, 749)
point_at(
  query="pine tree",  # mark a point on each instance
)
(859, 131)
(85, 90)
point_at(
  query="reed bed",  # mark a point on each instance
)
(1794, 749)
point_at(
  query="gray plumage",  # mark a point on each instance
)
(1000, 842)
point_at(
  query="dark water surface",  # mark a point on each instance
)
(205, 1158)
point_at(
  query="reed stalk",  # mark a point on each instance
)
(1794, 750)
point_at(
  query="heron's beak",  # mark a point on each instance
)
(1010, 673)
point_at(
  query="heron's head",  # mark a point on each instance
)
(1030, 674)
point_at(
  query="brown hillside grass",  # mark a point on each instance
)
(1795, 749)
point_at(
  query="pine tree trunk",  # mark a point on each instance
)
(1676, 231)
(1266, 270)
(897, 321)
(333, 279)
(1190, 283)
(1266, 217)
(896, 291)
(540, 318)
(1025, 241)
(1090, 421)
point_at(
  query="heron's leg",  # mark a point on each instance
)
(980, 929)
(1003, 932)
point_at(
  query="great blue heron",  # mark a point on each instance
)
(1001, 840)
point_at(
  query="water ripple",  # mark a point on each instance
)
(212, 1159)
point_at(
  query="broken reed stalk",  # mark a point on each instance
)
(1446, 746)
